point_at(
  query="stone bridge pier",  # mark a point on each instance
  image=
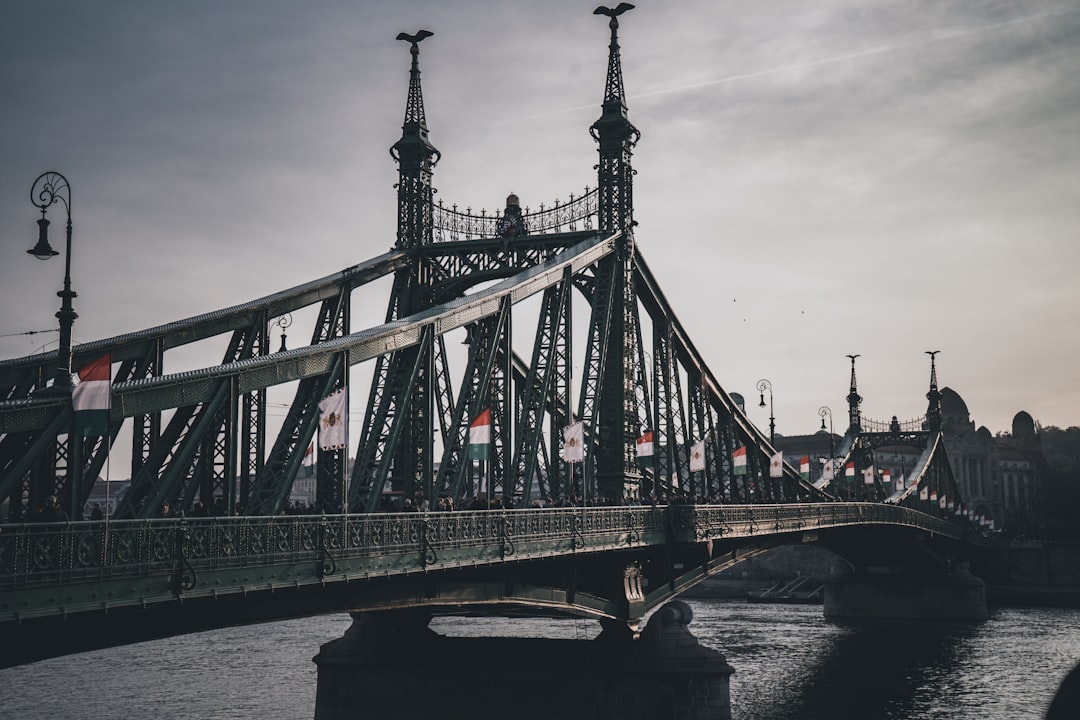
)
(390, 664)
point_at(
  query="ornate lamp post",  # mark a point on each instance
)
(282, 322)
(762, 386)
(823, 411)
(49, 188)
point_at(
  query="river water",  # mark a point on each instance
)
(790, 665)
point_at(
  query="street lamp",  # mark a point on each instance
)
(823, 411)
(762, 386)
(283, 322)
(49, 188)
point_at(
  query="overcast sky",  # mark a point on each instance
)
(881, 177)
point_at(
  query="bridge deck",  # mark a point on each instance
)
(60, 569)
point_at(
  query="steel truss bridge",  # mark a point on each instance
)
(205, 436)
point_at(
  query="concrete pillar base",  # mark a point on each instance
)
(380, 670)
(893, 595)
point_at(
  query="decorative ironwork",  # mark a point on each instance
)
(894, 426)
(579, 213)
(355, 546)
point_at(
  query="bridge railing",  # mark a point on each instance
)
(745, 520)
(59, 553)
(578, 213)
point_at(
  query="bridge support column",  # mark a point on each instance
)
(380, 670)
(886, 593)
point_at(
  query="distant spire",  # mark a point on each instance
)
(933, 409)
(854, 400)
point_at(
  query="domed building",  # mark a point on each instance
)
(998, 476)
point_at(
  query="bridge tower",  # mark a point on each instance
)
(615, 426)
(397, 439)
(933, 409)
(854, 401)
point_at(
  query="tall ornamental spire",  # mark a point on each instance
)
(854, 400)
(416, 157)
(616, 136)
(933, 409)
(613, 331)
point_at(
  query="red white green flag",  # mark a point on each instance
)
(849, 471)
(804, 467)
(645, 450)
(738, 459)
(886, 477)
(309, 460)
(480, 436)
(91, 399)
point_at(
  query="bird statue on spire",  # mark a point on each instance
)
(420, 35)
(619, 10)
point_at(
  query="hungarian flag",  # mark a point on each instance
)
(776, 465)
(333, 421)
(886, 477)
(738, 459)
(868, 475)
(573, 449)
(480, 436)
(309, 460)
(849, 471)
(804, 467)
(91, 399)
(933, 495)
(645, 450)
(697, 456)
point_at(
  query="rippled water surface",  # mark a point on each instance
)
(790, 665)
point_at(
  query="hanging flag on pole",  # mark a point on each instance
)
(91, 398)
(738, 459)
(480, 436)
(924, 493)
(886, 477)
(828, 471)
(309, 460)
(804, 467)
(900, 482)
(868, 475)
(645, 450)
(573, 449)
(697, 456)
(933, 495)
(333, 421)
(849, 471)
(943, 502)
(776, 465)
